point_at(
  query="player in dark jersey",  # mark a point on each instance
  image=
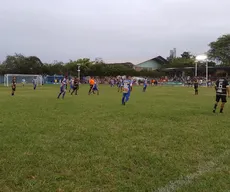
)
(222, 90)
(196, 84)
(75, 86)
(13, 86)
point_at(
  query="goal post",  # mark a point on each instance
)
(20, 78)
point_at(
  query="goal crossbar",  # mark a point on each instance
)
(19, 77)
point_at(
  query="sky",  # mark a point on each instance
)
(114, 30)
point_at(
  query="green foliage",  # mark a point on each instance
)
(220, 50)
(186, 55)
(181, 62)
(18, 63)
(186, 60)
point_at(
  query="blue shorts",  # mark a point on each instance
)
(95, 88)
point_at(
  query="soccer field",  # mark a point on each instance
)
(164, 140)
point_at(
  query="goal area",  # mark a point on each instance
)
(22, 78)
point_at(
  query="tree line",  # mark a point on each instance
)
(18, 63)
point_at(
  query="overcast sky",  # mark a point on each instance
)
(115, 30)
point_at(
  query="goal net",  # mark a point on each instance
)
(22, 78)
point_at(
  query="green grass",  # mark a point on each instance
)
(93, 143)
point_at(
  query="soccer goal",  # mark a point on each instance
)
(22, 78)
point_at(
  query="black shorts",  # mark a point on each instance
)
(223, 98)
(13, 88)
(76, 87)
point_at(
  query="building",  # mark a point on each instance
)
(172, 53)
(151, 64)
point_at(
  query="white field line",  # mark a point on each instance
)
(202, 170)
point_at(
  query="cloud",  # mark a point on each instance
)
(121, 30)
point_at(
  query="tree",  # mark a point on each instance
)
(220, 50)
(180, 62)
(186, 55)
(18, 63)
(99, 60)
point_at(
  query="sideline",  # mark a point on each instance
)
(202, 170)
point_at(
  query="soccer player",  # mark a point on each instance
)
(126, 90)
(95, 88)
(222, 90)
(67, 81)
(91, 84)
(23, 82)
(71, 84)
(75, 86)
(120, 85)
(63, 88)
(111, 82)
(196, 84)
(34, 81)
(13, 86)
(145, 85)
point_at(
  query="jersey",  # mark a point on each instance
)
(63, 82)
(13, 83)
(196, 85)
(75, 83)
(145, 82)
(126, 86)
(221, 86)
(34, 81)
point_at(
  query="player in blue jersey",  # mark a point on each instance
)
(145, 85)
(63, 88)
(34, 81)
(126, 90)
(95, 87)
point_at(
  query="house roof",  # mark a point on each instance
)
(158, 59)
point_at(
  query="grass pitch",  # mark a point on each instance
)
(93, 143)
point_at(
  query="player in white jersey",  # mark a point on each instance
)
(63, 88)
(71, 84)
(34, 81)
(145, 85)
